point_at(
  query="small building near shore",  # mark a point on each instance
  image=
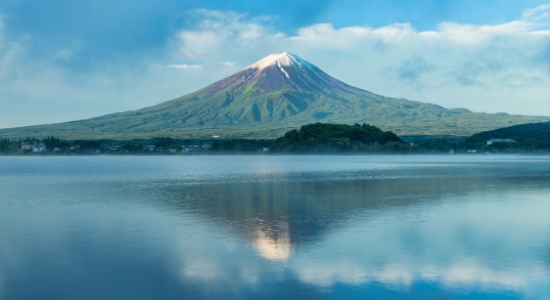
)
(39, 148)
(28, 145)
(33, 146)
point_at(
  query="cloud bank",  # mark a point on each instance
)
(493, 68)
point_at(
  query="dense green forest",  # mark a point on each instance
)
(526, 138)
(9, 145)
(526, 133)
(534, 137)
(339, 138)
(311, 138)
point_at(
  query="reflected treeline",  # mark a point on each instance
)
(276, 216)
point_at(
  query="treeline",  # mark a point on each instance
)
(165, 145)
(533, 137)
(525, 138)
(240, 146)
(339, 138)
(9, 145)
(465, 144)
(524, 133)
(312, 138)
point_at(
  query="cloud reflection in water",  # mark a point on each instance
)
(472, 233)
(275, 227)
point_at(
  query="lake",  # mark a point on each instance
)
(275, 227)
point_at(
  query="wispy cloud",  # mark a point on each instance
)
(413, 69)
(538, 13)
(192, 54)
(185, 66)
(459, 274)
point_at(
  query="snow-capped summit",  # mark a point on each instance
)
(283, 71)
(280, 60)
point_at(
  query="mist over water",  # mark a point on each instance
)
(294, 227)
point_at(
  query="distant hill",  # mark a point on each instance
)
(532, 132)
(278, 93)
(338, 138)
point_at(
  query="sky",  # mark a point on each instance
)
(63, 60)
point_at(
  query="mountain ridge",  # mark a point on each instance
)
(264, 100)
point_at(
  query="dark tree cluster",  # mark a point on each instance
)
(339, 138)
(9, 145)
(532, 137)
(165, 144)
(532, 132)
(525, 138)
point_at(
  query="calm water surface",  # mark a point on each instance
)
(275, 227)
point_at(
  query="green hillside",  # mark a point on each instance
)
(338, 138)
(533, 132)
(201, 116)
(528, 138)
(275, 95)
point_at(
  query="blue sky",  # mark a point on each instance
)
(62, 60)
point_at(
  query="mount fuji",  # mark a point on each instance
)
(266, 99)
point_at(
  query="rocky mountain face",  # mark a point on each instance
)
(276, 94)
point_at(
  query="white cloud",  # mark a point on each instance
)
(538, 13)
(472, 35)
(185, 66)
(493, 68)
(466, 273)
(489, 68)
(192, 54)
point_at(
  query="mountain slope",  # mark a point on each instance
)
(533, 132)
(266, 99)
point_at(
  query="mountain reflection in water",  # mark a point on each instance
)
(273, 244)
(273, 227)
